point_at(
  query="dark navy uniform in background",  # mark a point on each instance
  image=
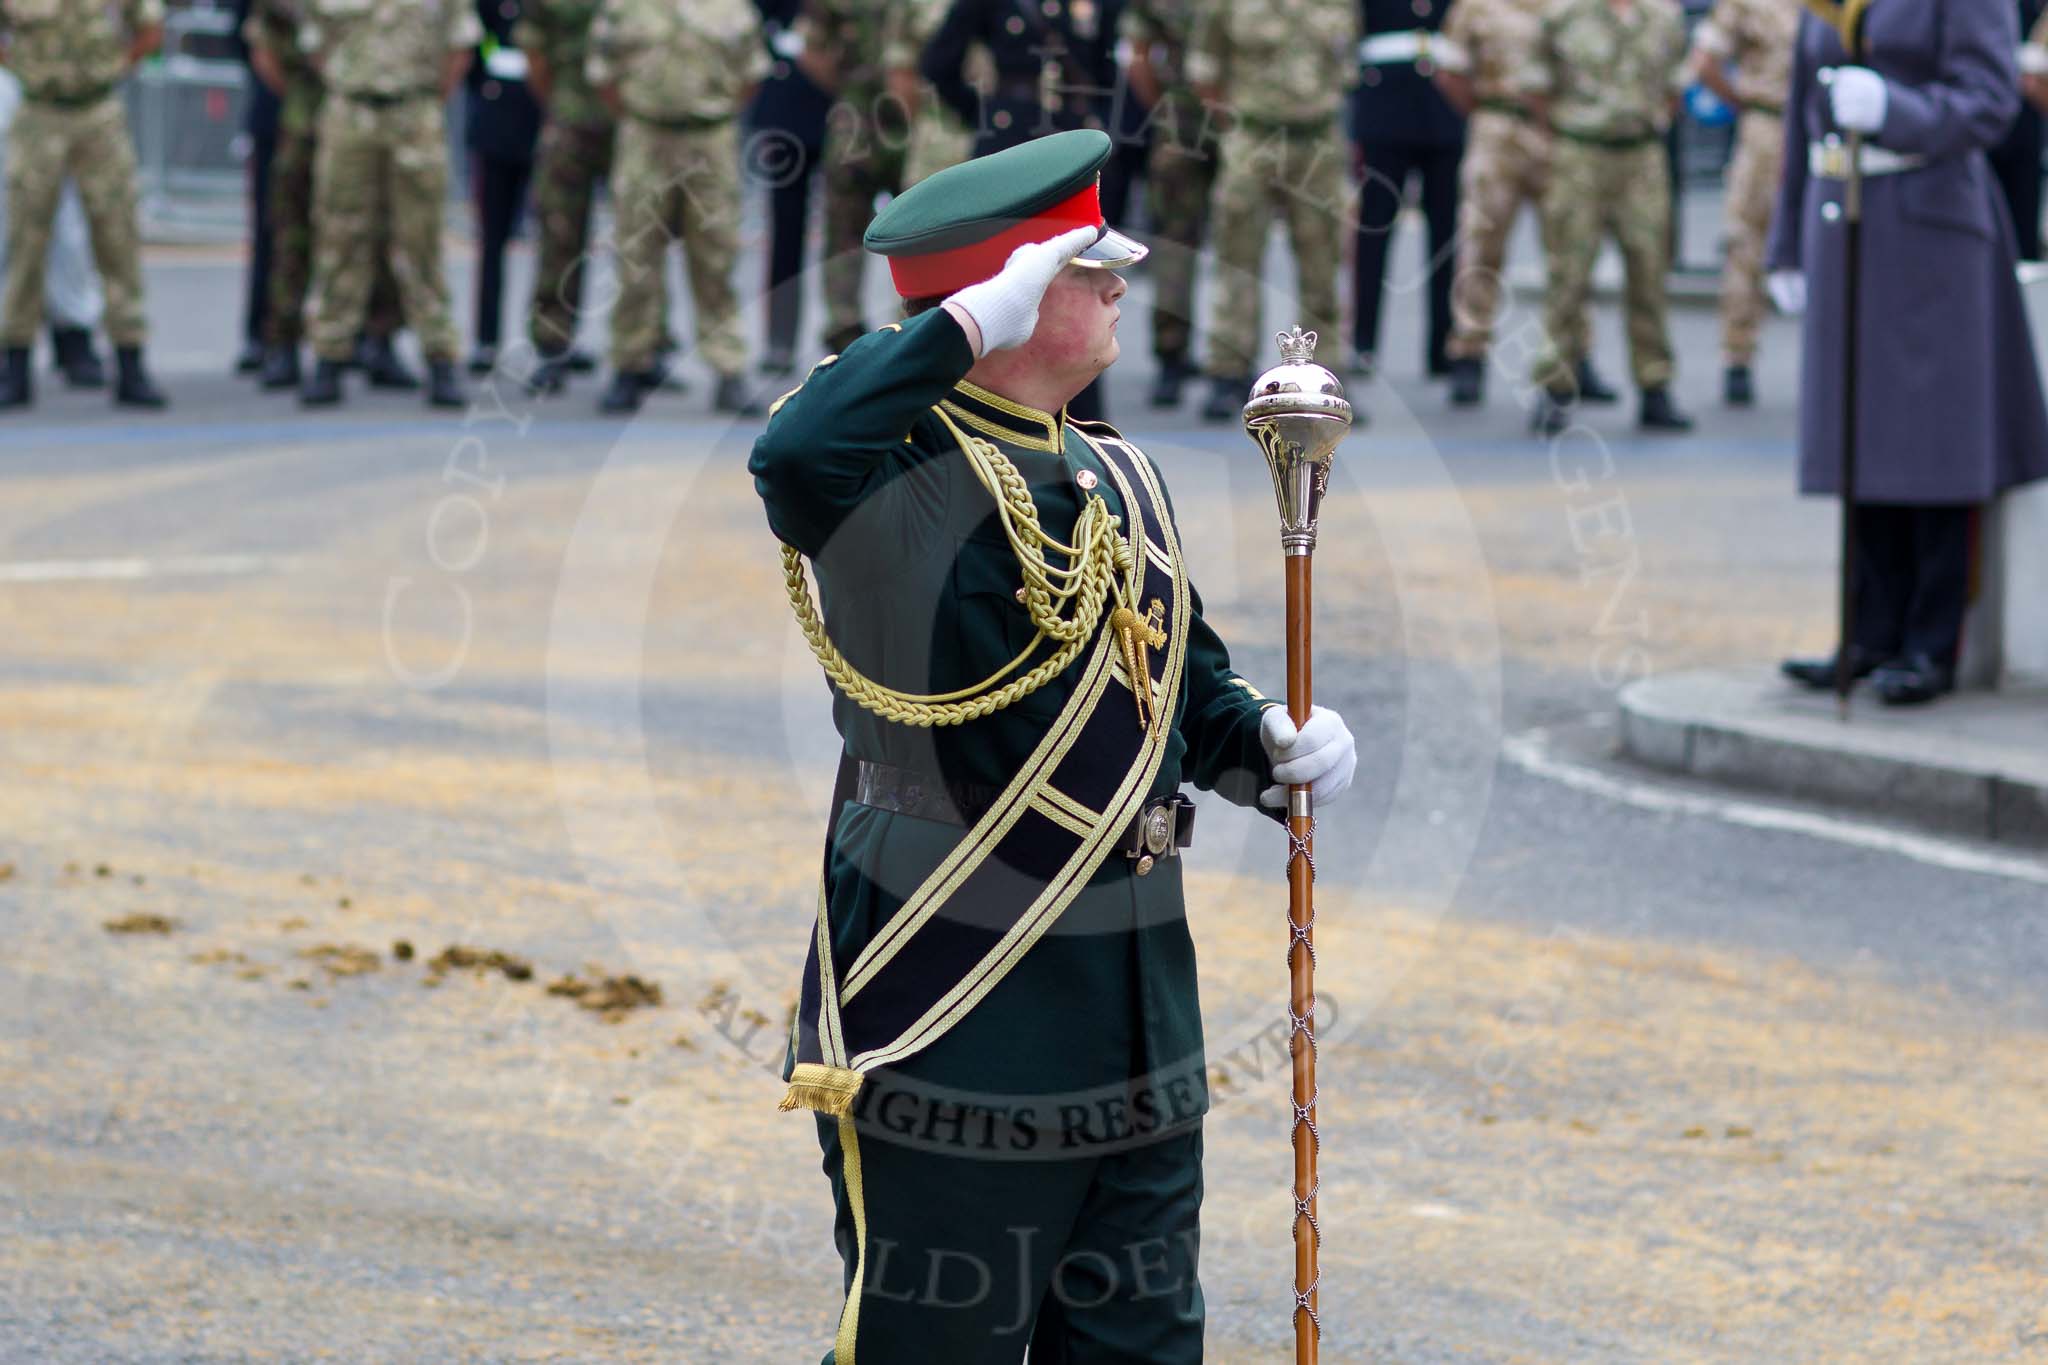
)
(502, 127)
(2017, 160)
(1403, 128)
(789, 115)
(259, 122)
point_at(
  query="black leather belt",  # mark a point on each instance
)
(77, 99)
(1607, 142)
(1162, 827)
(378, 99)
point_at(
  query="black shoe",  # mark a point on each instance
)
(76, 359)
(550, 374)
(1441, 366)
(1468, 382)
(1592, 388)
(1226, 398)
(627, 390)
(1364, 364)
(1819, 674)
(1912, 681)
(1553, 413)
(581, 361)
(667, 374)
(732, 396)
(483, 360)
(17, 378)
(444, 389)
(133, 387)
(250, 359)
(1166, 388)
(380, 364)
(323, 387)
(779, 362)
(1659, 413)
(1736, 389)
(280, 368)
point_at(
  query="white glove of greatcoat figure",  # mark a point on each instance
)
(1856, 97)
(1005, 306)
(1322, 754)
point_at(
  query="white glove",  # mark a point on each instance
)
(1005, 306)
(1856, 96)
(1787, 289)
(1323, 754)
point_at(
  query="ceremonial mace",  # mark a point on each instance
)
(1296, 415)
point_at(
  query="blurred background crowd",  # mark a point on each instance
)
(359, 129)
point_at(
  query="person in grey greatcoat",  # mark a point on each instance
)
(1949, 408)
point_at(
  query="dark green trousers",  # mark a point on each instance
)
(970, 1260)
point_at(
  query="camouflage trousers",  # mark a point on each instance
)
(669, 185)
(1506, 165)
(1299, 172)
(1752, 193)
(291, 231)
(1595, 191)
(89, 146)
(1178, 182)
(863, 159)
(571, 160)
(380, 169)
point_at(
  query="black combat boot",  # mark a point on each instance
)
(444, 389)
(1554, 412)
(732, 396)
(76, 359)
(17, 378)
(550, 374)
(323, 386)
(1592, 388)
(581, 361)
(1226, 398)
(1736, 389)
(1468, 381)
(1659, 413)
(381, 365)
(280, 367)
(133, 387)
(249, 360)
(628, 388)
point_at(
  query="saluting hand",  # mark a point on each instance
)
(1321, 755)
(1004, 308)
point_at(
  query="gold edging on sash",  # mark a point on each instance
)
(1031, 926)
(966, 856)
(856, 1198)
(1060, 816)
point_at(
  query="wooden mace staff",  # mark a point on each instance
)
(1296, 415)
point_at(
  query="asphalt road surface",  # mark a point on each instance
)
(291, 704)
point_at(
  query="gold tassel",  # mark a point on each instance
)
(827, 1090)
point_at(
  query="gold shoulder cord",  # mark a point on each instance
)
(1093, 565)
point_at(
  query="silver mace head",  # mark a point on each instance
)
(1296, 415)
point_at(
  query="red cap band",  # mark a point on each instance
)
(939, 273)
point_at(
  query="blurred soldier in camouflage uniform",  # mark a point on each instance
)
(1180, 175)
(1607, 74)
(938, 138)
(575, 154)
(1274, 71)
(867, 136)
(1757, 36)
(1507, 164)
(278, 55)
(390, 67)
(70, 59)
(677, 76)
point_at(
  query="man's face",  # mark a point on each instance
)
(1077, 321)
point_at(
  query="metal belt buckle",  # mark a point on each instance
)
(1158, 830)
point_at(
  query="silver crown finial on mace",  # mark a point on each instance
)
(1296, 414)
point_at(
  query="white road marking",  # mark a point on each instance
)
(103, 570)
(1530, 751)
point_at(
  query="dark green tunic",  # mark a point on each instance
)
(919, 589)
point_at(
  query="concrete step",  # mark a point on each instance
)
(1974, 764)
